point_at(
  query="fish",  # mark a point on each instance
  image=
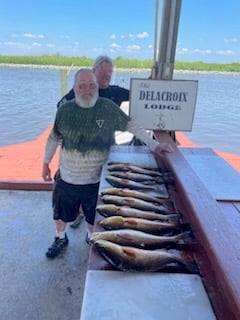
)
(149, 226)
(133, 168)
(135, 203)
(138, 177)
(139, 195)
(131, 259)
(140, 239)
(121, 182)
(130, 163)
(108, 210)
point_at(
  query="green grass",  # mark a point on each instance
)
(119, 62)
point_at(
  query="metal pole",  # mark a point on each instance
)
(154, 69)
(168, 39)
(156, 31)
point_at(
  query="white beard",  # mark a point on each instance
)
(86, 103)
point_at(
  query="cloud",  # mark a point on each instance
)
(203, 52)
(36, 44)
(50, 45)
(133, 47)
(33, 36)
(225, 52)
(115, 46)
(182, 50)
(98, 50)
(231, 40)
(142, 35)
(65, 37)
(112, 36)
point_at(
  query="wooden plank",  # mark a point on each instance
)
(211, 227)
(220, 179)
(26, 185)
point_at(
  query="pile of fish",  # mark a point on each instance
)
(142, 232)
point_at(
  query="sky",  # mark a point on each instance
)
(209, 30)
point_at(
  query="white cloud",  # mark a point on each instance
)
(33, 36)
(182, 50)
(115, 46)
(142, 35)
(202, 52)
(225, 52)
(134, 47)
(65, 37)
(50, 45)
(98, 50)
(36, 44)
(231, 40)
(112, 36)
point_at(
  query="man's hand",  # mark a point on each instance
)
(46, 172)
(163, 147)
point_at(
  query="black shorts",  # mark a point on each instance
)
(67, 199)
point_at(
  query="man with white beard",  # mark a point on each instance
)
(85, 127)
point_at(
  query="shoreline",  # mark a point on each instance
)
(127, 70)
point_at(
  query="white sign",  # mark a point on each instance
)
(163, 104)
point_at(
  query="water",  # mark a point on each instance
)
(29, 97)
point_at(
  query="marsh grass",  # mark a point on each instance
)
(119, 62)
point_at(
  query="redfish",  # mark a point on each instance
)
(141, 260)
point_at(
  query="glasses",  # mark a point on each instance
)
(85, 86)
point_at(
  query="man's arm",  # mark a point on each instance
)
(155, 146)
(69, 96)
(50, 149)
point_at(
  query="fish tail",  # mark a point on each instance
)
(190, 266)
(186, 227)
(168, 204)
(184, 238)
(174, 218)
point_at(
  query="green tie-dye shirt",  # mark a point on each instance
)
(86, 136)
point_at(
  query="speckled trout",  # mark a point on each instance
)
(149, 226)
(135, 203)
(124, 192)
(108, 210)
(132, 168)
(140, 239)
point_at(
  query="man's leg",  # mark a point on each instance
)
(60, 240)
(76, 223)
